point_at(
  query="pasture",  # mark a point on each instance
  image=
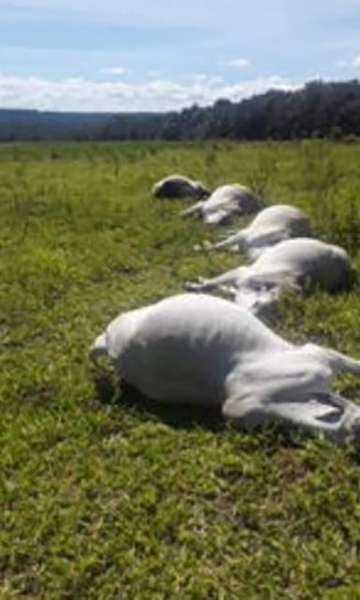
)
(108, 496)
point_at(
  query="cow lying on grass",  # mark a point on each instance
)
(225, 203)
(289, 265)
(202, 350)
(272, 225)
(178, 186)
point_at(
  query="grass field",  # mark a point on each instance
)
(107, 496)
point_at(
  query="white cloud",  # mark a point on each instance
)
(157, 95)
(349, 64)
(238, 63)
(114, 71)
(208, 80)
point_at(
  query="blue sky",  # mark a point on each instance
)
(160, 54)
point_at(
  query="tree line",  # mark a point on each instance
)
(319, 109)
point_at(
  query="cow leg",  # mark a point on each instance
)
(234, 240)
(246, 413)
(330, 414)
(259, 244)
(195, 209)
(259, 292)
(217, 217)
(228, 279)
(338, 362)
(228, 291)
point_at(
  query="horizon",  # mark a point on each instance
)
(163, 112)
(81, 57)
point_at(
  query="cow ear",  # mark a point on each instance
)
(99, 348)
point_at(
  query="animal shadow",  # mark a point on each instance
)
(189, 417)
(109, 391)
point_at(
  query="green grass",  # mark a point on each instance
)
(105, 495)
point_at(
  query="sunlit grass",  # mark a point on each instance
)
(105, 495)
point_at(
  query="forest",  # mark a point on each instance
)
(317, 110)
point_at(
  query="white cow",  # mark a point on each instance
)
(226, 202)
(178, 186)
(292, 264)
(272, 225)
(198, 349)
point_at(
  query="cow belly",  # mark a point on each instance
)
(171, 370)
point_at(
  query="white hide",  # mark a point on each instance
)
(272, 225)
(178, 186)
(224, 203)
(198, 349)
(292, 264)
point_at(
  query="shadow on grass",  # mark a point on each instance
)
(268, 439)
(177, 416)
